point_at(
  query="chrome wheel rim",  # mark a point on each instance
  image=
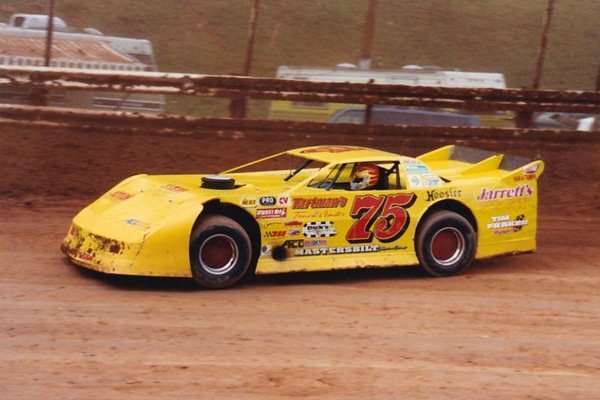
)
(218, 254)
(447, 246)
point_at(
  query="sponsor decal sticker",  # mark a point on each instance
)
(319, 229)
(266, 250)
(283, 201)
(431, 180)
(267, 201)
(118, 195)
(293, 244)
(319, 202)
(173, 188)
(504, 224)
(248, 202)
(274, 234)
(271, 213)
(450, 193)
(509, 193)
(317, 214)
(415, 181)
(138, 223)
(323, 251)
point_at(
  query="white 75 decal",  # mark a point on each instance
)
(383, 217)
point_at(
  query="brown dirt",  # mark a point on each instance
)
(511, 327)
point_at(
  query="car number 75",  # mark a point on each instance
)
(382, 217)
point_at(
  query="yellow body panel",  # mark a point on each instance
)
(143, 225)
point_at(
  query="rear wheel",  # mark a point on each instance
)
(220, 252)
(445, 244)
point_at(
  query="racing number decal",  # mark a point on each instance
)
(384, 217)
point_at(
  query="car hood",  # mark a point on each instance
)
(142, 204)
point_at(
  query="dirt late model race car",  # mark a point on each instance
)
(313, 208)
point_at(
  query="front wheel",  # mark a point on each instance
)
(446, 244)
(220, 252)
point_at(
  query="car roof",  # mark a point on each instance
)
(343, 154)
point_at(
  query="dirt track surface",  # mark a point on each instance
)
(511, 327)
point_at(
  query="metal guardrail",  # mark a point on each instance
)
(520, 100)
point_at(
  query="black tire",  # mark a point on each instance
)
(220, 252)
(446, 244)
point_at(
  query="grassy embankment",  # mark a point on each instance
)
(210, 36)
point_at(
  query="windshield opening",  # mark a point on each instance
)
(290, 167)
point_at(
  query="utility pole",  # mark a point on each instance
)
(369, 32)
(524, 118)
(365, 55)
(49, 33)
(543, 43)
(238, 105)
(39, 97)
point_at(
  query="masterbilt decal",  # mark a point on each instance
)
(450, 193)
(317, 202)
(323, 251)
(497, 194)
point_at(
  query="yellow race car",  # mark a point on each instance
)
(310, 209)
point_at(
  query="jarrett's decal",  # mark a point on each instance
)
(510, 193)
(319, 202)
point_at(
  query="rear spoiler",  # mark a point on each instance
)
(454, 161)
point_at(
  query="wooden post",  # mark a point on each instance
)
(49, 33)
(524, 119)
(238, 105)
(543, 43)
(367, 45)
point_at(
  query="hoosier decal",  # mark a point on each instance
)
(450, 193)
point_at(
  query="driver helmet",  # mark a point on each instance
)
(364, 176)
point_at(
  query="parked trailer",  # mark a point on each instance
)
(411, 75)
